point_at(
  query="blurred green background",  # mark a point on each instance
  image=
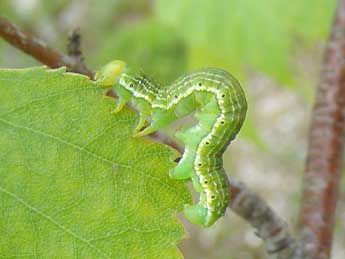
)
(274, 47)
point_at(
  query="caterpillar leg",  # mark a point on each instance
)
(123, 98)
(141, 124)
(121, 103)
(160, 119)
(184, 168)
(197, 186)
(144, 112)
(196, 214)
(150, 129)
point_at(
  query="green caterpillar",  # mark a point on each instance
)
(221, 109)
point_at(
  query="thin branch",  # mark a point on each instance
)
(271, 228)
(324, 163)
(39, 50)
(74, 52)
(74, 44)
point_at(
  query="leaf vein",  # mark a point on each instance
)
(47, 217)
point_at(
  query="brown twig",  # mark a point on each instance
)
(74, 52)
(74, 44)
(248, 205)
(324, 163)
(269, 226)
(39, 50)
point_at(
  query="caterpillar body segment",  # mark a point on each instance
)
(220, 106)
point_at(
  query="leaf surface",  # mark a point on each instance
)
(73, 182)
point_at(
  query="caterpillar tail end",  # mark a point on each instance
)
(109, 73)
(197, 214)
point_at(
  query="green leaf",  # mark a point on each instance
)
(73, 182)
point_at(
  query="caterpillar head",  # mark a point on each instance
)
(131, 81)
(139, 85)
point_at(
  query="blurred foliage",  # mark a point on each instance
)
(145, 43)
(166, 38)
(234, 34)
